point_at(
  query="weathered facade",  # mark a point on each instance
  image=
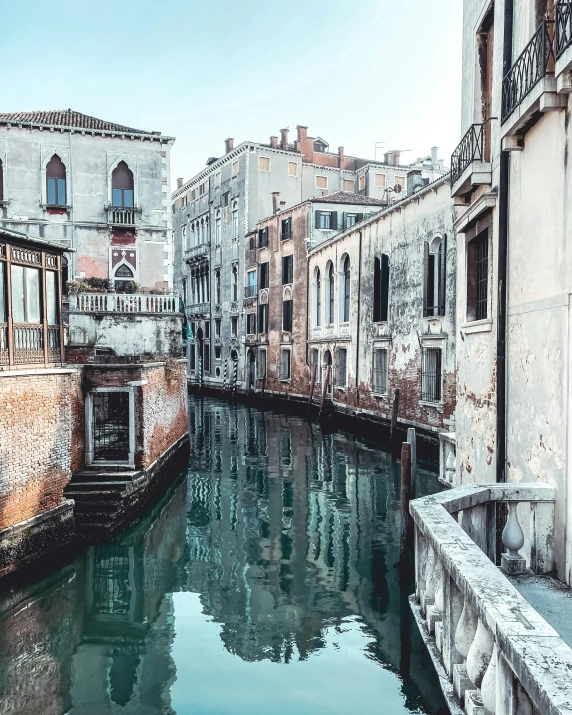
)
(276, 287)
(382, 307)
(100, 189)
(217, 208)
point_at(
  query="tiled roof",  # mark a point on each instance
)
(69, 119)
(347, 197)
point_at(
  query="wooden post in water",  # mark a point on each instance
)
(325, 387)
(412, 439)
(312, 385)
(263, 386)
(405, 499)
(394, 411)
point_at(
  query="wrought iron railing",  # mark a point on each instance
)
(533, 64)
(470, 149)
(563, 33)
(4, 351)
(54, 349)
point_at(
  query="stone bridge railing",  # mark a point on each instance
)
(123, 303)
(494, 653)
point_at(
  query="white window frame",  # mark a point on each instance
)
(380, 186)
(361, 182)
(385, 347)
(259, 163)
(295, 165)
(90, 421)
(440, 343)
(353, 183)
(288, 350)
(321, 176)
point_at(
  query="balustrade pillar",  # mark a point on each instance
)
(453, 608)
(464, 638)
(479, 654)
(513, 538)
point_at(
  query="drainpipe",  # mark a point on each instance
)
(502, 265)
(358, 319)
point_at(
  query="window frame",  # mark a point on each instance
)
(295, 165)
(266, 158)
(57, 182)
(288, 269)
(338, 383)
(287, 315)
(361, 182)
(321, 176)
(285, 351)
(374, 369)
(437, 391)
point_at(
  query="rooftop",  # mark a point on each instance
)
(348, 197)
(69, 119)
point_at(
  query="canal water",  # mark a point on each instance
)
(264, 582)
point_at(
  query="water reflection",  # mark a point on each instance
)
(263, 583)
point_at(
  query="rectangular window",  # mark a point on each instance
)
(362, 182)
(251, 284)
(263, 318)
(314, 358)
(349, 185)
(380, 371)
(287, 311)
(207, 356)
(264, 163)
(235, 281)
(379, 180)
(286, 229)
(218, 231)
(263, 237)
(217, 327)
(51, 297)
(250, 323)
(350, 220)
(217, 352)
(203, 188)
(25, 294)
(235, 223)
(261, 363)
(326, 220)
(400, 180)
(264, 275)
(431, 375)
(292, 168)
(321, 182)
(341, 367)
(287, 270)
(285, 364)
(193, 356)
(207, 330)
(234, 168)
(225, 198)
(57, 192)
(477, 277)
(217, 179)
(381, 288)
(234, 326)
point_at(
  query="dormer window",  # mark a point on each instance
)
(319, 147)
(56, 181)
(122, 191)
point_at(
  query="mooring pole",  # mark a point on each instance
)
(405, 499)
(312, 385)
(412, 439)
(225, 376)
(325, 387)
(394, 411)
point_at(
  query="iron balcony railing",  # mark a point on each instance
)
(563, 34)
(534, 63)
(470, 149)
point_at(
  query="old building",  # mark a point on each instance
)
(219, 206)
(101, 189)
(276, 287)
(382, 312)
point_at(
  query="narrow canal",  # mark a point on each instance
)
(263, 583)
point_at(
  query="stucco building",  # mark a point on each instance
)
(219, 206)
(101, 189)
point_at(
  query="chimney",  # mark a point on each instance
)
(302, 132)
(284, 138)
(274, 142)
(392, 157)
(275, 201)
(414, 181)
(228, 145)
(340, 156)
(179, 182)
(434, 155)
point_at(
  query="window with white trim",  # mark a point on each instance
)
(341, 367)
(285, 363)
(292, 168)
(380, 371)
(264, 163)
(321, 182)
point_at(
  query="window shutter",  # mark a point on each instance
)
(317, 218)
(334, 220)
(442, 274)
(376, 290)
(359, 218)
(425, 276)
(290, 227)
(284, 265)
(384, 286)
(345, 219)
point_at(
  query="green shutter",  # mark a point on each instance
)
(334, 220)
(317, 218)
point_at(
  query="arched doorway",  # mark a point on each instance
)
(327, 361)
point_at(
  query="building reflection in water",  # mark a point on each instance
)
(286, 533)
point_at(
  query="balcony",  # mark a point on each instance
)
(563, 46)
(530, 86)
(468, 165)
(123, 303)
(122, 217)
(196, 252)
(490, 647)
(199, 309)
(29, 344)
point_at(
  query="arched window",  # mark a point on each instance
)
(56, 181)
(123, 276)
(346, 275)
(434, 276)
(317, 299)
(331, 294)
(122, 186)
(380, 288)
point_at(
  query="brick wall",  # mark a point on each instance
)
(38, 414)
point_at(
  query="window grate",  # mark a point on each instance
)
(111, 425)
(431, 375)
(482, 270)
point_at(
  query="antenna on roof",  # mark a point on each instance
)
(378, 146)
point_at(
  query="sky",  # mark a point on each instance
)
(356, 72)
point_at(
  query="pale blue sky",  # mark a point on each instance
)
(355, 72)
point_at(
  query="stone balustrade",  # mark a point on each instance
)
(493, 652)
(123, 303)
